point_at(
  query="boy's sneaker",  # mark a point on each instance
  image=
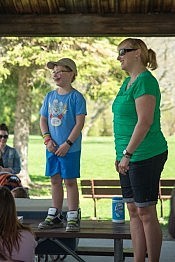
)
(73, 221)
(53, 220)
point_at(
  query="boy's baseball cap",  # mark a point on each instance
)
(63, 62)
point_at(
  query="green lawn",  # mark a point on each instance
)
(97, 161)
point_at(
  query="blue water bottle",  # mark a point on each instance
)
(118, 210)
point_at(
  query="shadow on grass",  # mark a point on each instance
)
(40, 179)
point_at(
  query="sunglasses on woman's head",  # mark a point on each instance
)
(5, 136)
(123, 51)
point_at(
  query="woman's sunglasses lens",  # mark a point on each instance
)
(5, 136)
(122, 52)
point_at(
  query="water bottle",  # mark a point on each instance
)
(118, 210)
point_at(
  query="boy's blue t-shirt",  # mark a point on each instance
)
(61, 112)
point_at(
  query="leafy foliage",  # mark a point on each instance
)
(99, 76)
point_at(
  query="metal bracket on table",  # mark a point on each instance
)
(64, 247)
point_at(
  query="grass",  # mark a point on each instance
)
(97, 161)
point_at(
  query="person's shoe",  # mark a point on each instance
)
(53, 220)
(73, 221)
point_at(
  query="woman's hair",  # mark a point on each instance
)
(2, 256)
(148, 56)
(9, 225)
(4, 127)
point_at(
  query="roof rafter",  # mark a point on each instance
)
(88, 25)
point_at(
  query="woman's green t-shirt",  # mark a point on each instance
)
(125, 118)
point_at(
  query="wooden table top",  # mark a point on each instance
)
(101, 229)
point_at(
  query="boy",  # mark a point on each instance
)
(62, 119)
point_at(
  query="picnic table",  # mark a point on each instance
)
(94, 229)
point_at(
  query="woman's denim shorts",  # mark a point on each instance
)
(141, 183)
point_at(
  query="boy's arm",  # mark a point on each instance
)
(43, 125)
(50, 144)
(80, 119)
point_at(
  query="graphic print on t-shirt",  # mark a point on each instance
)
(56, 112)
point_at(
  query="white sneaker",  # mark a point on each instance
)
(53, 220)
(73, 221)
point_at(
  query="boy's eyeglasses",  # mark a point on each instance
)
(5, 136)
(123, 51)
(60, 72)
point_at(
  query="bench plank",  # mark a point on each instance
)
(101, 192)
(102, 251)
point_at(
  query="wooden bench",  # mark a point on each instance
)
(165, 188)
(97, 189)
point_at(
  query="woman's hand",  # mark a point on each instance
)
(123, 165)
(116, 165)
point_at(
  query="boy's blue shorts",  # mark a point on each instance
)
(67, 166)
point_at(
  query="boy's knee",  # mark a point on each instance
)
(56, 180)
(70, 182)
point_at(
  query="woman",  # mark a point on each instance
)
(3, 258)
(16, 240)
(141, 149)
(9, 157)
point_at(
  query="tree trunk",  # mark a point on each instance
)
(22, 122)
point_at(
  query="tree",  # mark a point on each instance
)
(165, 51)
(23, 60)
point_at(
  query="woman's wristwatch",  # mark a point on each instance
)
(127, 154)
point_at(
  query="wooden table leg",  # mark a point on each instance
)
(118, 250)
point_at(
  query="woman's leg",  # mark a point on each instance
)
(153, 233)
(137, 233)
(144, 176)
(57, 192)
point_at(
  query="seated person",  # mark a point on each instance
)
(17, 240)
(9, 157)
(4, 258)
(9, 180)
(20, 192)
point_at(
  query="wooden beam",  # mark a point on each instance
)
(88, 25)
